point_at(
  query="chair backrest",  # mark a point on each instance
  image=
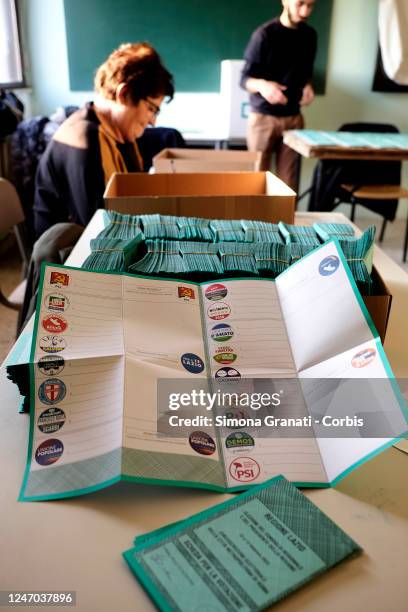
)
(12, 217)
(155, 140)
(11, 211)
(363, 172)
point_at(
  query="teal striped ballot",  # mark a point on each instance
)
(243, 554)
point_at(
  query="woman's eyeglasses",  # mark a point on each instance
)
(152, 107)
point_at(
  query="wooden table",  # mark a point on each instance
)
(348, 145)
(76, 544)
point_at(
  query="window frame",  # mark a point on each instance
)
(23, 83)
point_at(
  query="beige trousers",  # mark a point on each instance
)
(264, 133)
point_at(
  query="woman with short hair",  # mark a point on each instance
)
(99, 139)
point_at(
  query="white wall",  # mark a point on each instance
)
(352, 53)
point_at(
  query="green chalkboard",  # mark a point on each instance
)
(193, 37)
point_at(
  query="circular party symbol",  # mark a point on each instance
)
(52, 344)
(202, 443)
(51, 365)
(219, 311)
(216, 292)
(224, 355)
(231, 414)
(51, 420)
(56, 302)
(239, 440)
(49, 451)
(54, 323)
(52, 391)
(221, 332)
(363, 358)
(192, 363)
(329, 265)
(244, 469)
(227, 373)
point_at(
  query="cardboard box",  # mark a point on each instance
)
(232, 195)
(206, 160)
(379, 305)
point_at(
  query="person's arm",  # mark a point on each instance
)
(251, 77)
(272, 91)
(308, 95)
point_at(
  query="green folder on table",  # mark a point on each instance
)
(241, 555)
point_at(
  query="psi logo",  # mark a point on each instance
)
(244, 469)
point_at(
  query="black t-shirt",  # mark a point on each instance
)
(284, 55)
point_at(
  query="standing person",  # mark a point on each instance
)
(99, 139)
(277, 72)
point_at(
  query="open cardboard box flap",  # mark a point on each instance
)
(379, 305)
(228, 195)
(206, 160)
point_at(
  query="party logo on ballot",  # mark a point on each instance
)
(216, 292)
(219, 311)
(56, 302)
(51, 420)
(329, 265)
(192, 363)
(52, 391)
(186, 293)
(54, 323)
(224, 355)
(222, 332)
(227, 373)
(59, 279)
(51, 365)
(52, 344)
(244, 469)
(202, 443)
(49, 452)
(239, 440)
(363, 358)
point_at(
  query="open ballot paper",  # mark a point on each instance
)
(241, 555)
(104, 345)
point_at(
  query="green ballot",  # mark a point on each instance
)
(242, 555)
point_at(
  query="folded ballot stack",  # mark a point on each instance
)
(199, 249)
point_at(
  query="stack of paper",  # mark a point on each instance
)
(246, 553)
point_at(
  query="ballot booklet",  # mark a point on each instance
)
(112, 352)
(241, 555)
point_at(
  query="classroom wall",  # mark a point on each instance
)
(348, 95)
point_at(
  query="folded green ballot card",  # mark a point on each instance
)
(244, 554)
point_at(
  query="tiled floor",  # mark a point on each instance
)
(10, 267)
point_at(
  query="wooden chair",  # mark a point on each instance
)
(12, 218)
(375, 192)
